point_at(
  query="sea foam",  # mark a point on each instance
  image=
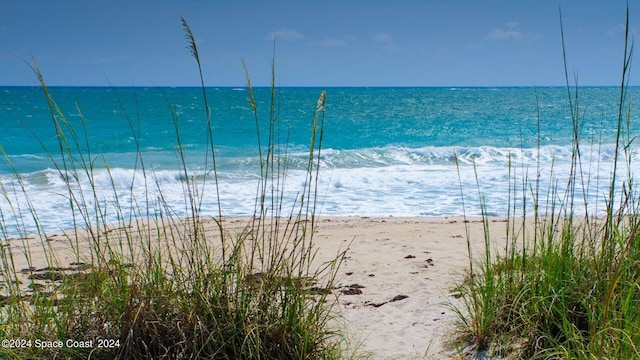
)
(386, 151)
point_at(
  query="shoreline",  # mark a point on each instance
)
(396, 284)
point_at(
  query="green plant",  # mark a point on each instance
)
(572, 291)
(154, 285)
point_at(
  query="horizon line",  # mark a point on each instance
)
(314, 86)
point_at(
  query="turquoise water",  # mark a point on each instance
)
(387, 151)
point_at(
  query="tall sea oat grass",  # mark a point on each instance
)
(571, 292)
(156, 285)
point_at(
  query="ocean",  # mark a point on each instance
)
(385, 152)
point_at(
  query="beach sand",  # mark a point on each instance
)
(395, 286)
(398, 280)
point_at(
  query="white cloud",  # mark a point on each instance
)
(511, 24)
(508, 32)
(381, 37)
(284, 34)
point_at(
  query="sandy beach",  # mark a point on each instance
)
(398, 280)
(395, 286)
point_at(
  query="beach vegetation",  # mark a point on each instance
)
(565, 282)
(160, 282)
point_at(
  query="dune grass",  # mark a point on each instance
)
(156, 285)
(567, 284)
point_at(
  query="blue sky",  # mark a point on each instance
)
(318, 43)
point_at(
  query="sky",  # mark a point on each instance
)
(315, 43)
